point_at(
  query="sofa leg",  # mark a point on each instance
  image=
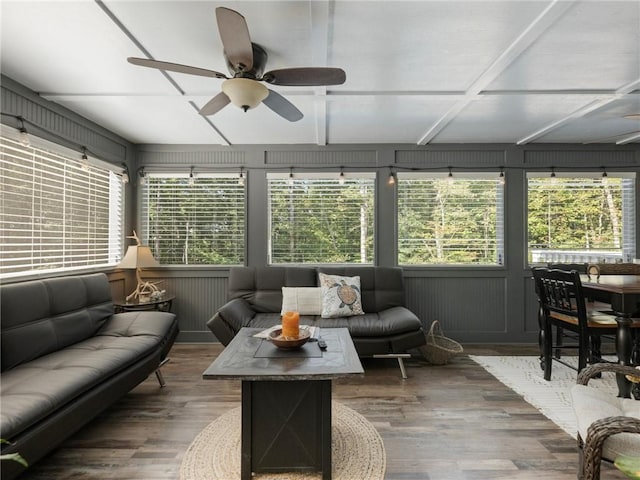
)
(159, 375)
(400, 357)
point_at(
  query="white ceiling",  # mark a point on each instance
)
(417, 72)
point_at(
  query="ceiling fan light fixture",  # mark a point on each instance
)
(244, 93)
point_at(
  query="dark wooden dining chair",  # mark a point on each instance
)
(563, 306)
(560, 334)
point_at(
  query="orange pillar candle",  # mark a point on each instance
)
(291, 324)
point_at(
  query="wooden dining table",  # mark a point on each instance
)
(622, 292)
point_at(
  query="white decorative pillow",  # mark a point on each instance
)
(341, 296)
(304, 300)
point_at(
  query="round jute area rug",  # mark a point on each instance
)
(356, 448)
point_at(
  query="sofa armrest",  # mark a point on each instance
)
(230, 318)
(597, 434)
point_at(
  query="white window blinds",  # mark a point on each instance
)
(457, 220)
(57, 212)
(581, 217)
(194, 221)
(320, 218)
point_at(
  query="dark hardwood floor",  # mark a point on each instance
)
(444, 423)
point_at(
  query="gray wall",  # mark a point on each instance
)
(57, 124)
(473, 304)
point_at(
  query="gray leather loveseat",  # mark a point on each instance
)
(66, 357)
(386, 328)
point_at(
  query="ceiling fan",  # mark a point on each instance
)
(246, 61)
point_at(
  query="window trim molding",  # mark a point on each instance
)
(630, 214)
(41, 143)
(199, 173)
(62, 155)
(501, 228)
(321, 174)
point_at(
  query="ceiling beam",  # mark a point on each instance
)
(323, 91)
(629, 139)
(443, 121)
(223, 140)
(581, 112)
(136, 42)
(320, 107)
(320, 13)
(544, 20)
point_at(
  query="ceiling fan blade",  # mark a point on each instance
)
(175, 67)
(235, 37)
(282, 106)
(306, 76)
(216, 104)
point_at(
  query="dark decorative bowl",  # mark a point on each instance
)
(289, 343)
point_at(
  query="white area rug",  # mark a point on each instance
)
(553, 398)
(357, 450)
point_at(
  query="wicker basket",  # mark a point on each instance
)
(439, 349)
(598, 269)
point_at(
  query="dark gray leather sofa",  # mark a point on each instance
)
(66, 357)
(387, 327)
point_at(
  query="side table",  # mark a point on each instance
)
(162, 305)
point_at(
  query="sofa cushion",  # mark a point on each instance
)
(341, 296)
(261, 287)
(591, 404)
(393, 321)
(34, 390)
(304, 300)
(43, 316)
(380, 287)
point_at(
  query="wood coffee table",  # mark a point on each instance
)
(286, 399)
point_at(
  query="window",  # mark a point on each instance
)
(450, 220)
(193, 221)
(318, 218)
(58, 212)
(581, 217)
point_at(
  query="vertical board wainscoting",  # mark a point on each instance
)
(465, 307)
(198, 296)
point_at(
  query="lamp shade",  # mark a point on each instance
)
(138, 256)
(244, 92)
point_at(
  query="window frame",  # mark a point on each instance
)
(500, 212)
(369, 175)
(628, 218)
(68, 158)
(148, 173)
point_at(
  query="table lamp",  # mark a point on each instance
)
(138, 257)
